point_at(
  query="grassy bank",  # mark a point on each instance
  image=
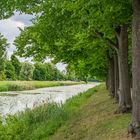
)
(86, 116)
(28, 85)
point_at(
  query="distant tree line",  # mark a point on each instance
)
(15, 70)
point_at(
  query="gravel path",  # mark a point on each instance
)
(32, 98)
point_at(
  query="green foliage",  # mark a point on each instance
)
(3, 46)
(46, 71)
(72, 29)
(17, 65)
(56, 74)
(26, 72)
(9, 71)
(39, 72)
(94, 120)
(7, 8)
(2, 75)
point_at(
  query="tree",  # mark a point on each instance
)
(57, 74)
(8, 7)
(116, 23)
(49, 71)
(26, 72)
(52, 73)
(16, 64)
(134, 127)
(46, 71)
(9, 71)
(3, 46)
(39, 72)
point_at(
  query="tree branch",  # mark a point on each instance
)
(107, 40)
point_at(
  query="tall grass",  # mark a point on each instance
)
(28, 85)
(42, 122)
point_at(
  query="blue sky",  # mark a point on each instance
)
(9, 28)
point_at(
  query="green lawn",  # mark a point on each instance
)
(95, 120)
(87, 116)
(28, 85)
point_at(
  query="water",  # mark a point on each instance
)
(22, 100)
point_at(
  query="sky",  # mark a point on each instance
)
(9, 28)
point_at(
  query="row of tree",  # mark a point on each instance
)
(92, 37)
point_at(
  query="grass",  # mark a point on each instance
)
(87, 116)
(29, 85)
(12, 95)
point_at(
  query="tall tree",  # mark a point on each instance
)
(26, 72)
(39, 72)
(134, 127)
(16, 64)
(9, 71)
(3, 46)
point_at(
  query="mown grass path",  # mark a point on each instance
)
(95, 120)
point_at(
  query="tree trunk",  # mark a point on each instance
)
(116, 72)
(111, 78)
(124, 84)
(134, 127)
(107, 80)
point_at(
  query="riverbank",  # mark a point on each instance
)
(87, 116)
(30, 85)
(13, 102)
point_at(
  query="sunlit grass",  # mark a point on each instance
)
(95, 120)
(28, 85)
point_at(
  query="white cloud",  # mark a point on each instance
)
(61, 66)
(24, 18)
(9, 28)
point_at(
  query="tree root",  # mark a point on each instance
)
(123, 109)
(134, 130)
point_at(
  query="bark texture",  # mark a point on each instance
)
(107, 80)
(124, 84)
(134, 127)
(116, 72)
(111, 78)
